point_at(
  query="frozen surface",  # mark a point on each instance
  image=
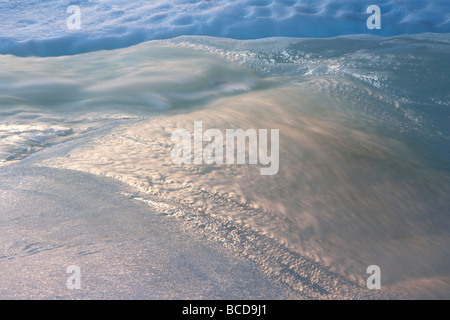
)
(85, 170)
(51, 219)
(39, 27)
(364, 151)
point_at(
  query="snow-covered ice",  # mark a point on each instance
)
(39, 27)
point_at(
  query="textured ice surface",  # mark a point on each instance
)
(363, 151)
(51, 219)
(46, 101)
(364, 175)
(39, 27)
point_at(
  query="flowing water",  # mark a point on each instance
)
(364, 147)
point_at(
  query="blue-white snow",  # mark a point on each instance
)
(86, 175)
(38, 27)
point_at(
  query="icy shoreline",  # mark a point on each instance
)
(54, 218)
